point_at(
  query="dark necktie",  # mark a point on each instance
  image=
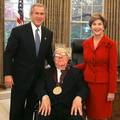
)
(37, 41)
(62, 76)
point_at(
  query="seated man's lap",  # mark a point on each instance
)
(60, 112)
(59, 118)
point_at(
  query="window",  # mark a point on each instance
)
(11, 8)
(81, 12)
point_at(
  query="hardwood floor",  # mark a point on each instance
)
(4, 104)
(4, 109)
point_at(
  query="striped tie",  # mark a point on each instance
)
(37, 41)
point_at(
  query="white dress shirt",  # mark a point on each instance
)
(34, 29)
(58, 75)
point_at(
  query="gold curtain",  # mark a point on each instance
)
(112, 13)
(1, 40)
(58, 19)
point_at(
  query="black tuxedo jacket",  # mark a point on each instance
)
(73, 85)
(20, 58)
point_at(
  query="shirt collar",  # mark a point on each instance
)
(58, 70)
(34, 27)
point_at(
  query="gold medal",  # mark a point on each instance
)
(57, 90)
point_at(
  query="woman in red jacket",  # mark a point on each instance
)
(100, 70)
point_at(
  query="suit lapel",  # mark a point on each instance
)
(63, 77)
(91, 44)
(30, 39)
(102, 42)
(43, 40)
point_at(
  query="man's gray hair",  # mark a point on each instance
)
(66, 50)
(37, 5)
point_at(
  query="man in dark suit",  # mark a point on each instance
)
(24, 61)
(61, 93)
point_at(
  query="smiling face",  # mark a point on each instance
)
(38, 15)
(97, 27)
(97, 24)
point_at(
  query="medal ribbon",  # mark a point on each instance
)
(62, 76)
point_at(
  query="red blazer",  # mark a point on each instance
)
(100, 64)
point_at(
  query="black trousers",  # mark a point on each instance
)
(22, 104)
(59, 112)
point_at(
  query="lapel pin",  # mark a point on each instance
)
(45, 38)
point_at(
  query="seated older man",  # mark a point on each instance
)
(62, 90)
